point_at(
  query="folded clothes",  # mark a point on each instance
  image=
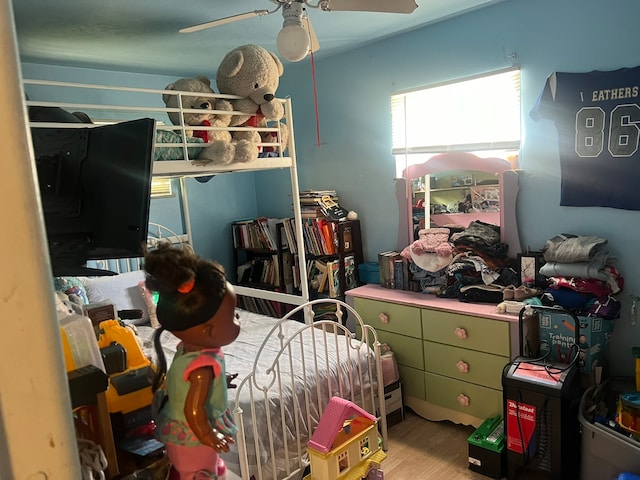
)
(567, 248)
(576, 269)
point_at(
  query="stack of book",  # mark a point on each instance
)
(310, 202)
(394, 271)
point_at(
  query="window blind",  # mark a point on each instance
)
(161, 187)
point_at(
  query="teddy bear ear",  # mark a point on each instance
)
(278, 63)
(166, 97)
(231, 64)
(204, 80)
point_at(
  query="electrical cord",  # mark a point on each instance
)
(93, 461)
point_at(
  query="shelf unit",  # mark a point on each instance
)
(341, 250)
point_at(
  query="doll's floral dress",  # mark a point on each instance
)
(172, 426)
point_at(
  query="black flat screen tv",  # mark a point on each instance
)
(95, 186)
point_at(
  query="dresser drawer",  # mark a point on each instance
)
(483, 402)
(412, 382)
(407, 350)
(483, 334)
(465, 365)
(402, 319)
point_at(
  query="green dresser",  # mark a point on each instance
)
(450, 362)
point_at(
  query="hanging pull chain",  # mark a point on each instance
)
(634, 310)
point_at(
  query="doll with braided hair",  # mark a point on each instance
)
(197, 305)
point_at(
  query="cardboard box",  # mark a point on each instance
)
(393, 403)
(557, 333)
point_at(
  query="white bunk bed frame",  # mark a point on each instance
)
(143, 102)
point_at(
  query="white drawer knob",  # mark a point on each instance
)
(383, 317)
(463, 367)
(461, 333)
(463, 400)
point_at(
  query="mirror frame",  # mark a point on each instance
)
(508, 184)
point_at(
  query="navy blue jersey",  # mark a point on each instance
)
(597, 115)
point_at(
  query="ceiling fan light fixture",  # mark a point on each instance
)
(293, 41)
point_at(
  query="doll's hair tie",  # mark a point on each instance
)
(187, 286)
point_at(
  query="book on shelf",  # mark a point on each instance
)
(398, 274)
(317, 271)
(350, 278)
(347, 239)
(288, 272)
(289, 227)
(387, 268)
(333, 268)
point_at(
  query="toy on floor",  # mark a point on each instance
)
(345, 444)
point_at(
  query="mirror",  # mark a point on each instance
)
(458, 188)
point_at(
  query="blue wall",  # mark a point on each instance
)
(354, 155)
(545, 36)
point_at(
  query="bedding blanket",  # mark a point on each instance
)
(175, 153)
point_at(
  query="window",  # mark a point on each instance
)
(479, 115)
(161, 187)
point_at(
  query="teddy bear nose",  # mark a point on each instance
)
(205, 106)
(269, 96)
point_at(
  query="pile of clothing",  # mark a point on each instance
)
(581, 276)
(470, 264)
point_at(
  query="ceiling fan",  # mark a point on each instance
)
(297, 37)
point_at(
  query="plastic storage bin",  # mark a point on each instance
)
(369, 272)
(605, 453)
(80, 343)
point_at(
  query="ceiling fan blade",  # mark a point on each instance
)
(222, 21)
(384, 6)
(314, 44)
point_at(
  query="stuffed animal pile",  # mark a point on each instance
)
(250, 72)
(220, 147)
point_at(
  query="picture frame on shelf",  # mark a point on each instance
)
(529, 264)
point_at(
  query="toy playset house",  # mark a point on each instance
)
(344, 445)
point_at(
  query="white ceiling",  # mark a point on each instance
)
(142, 35)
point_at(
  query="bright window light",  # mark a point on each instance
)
(161, 187)
(480, 115)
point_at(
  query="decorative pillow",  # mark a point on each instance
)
(122, 290)
(71, 286)
(150, 301)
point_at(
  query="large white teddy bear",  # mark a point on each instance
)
(253, 73)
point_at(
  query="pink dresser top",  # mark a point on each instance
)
(376, 292)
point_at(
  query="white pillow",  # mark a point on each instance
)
(122, 290)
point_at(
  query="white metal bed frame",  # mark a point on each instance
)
(363, 385)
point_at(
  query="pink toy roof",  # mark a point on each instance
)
(332, 421)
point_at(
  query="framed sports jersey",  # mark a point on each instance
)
(597, 116)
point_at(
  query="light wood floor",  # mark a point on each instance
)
(420, 449)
